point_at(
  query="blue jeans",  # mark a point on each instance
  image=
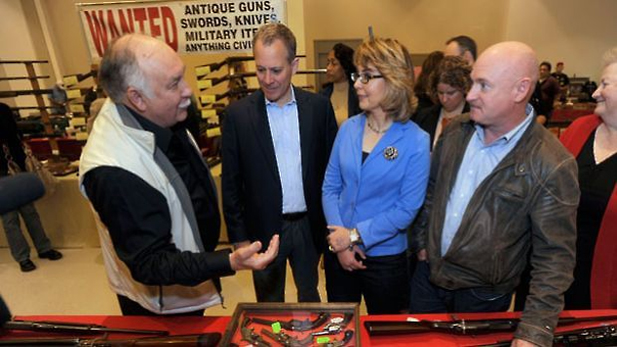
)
(20, 250)
(429, 298)
(297, 246)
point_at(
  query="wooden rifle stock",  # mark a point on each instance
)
(201, 340)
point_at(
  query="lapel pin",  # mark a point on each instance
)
(390, 153)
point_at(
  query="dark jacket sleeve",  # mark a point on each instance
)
(232, 186)
(553, 218)
(418, 231)
(139, 223)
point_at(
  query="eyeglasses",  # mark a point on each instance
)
(363, 77)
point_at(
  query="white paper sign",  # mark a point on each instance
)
(191, 27)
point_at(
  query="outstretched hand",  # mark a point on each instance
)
(247, 257)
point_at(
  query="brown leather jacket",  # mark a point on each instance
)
(528, 203)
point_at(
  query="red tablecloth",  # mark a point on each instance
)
(196, 325)
(568, 115)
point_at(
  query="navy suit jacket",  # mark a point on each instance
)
(251, 185)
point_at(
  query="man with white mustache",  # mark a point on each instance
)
(152, 192)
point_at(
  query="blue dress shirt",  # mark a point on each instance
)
(285, 130)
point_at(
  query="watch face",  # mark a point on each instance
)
(354, 237)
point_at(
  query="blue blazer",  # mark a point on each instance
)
(381, 196)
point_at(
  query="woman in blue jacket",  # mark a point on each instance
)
(375, 183)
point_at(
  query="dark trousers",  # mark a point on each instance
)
(384, 283)
(132, 308)
(429, 298)
(296, 244)
(20, 250)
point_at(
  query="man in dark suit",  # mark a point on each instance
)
(276, 145)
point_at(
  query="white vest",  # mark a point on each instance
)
(112, 143)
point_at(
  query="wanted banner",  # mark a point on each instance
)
(188, 27)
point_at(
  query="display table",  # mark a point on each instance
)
(564, 115)
(197, 325)
(66, 217)
(69, 221)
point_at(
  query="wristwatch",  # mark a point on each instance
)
(354, 238)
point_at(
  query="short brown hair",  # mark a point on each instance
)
(453, 71)
(276, 31)
(393, 62)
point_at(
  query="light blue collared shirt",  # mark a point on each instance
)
(479, 161)
(285, 130)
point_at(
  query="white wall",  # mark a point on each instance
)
(575, 32)
(19, 32)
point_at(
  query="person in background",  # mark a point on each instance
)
(375, 183)
(450, 82)
(462, 46)
(155, 200)
(563, 79)
(421, 87)
(501, 187)
(13, 153)
(339, 88)
(276, 144)
(58, 98)
(593, 140)
(549, 91)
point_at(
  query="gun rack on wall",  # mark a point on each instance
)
(36, 91)
(213, 104)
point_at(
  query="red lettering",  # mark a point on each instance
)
(169, 28)
(140, 17)
(155, 29)
(127, 25)
(97, 31)
(111, 24)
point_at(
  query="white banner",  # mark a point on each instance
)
(191, 27)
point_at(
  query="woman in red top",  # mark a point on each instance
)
(593, 141)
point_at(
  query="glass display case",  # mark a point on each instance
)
(303, 324)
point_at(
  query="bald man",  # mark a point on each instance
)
(152, 191)
(501, 190)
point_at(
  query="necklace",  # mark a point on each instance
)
(375, 130)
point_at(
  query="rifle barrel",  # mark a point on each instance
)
(379, 328)
(200, 340)
(471, 326)
(61, 327)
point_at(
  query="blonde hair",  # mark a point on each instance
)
(609, 57)
(393, 62)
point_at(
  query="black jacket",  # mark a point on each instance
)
(427, 119)
(9, 136)
(353, 105)
(251, 186)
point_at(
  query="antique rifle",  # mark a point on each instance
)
(201, 340)
(603, 335)
(15, 93)
(74, 328)
(460, 326)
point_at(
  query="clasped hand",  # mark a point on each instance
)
(339, 242)
(247, 256)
